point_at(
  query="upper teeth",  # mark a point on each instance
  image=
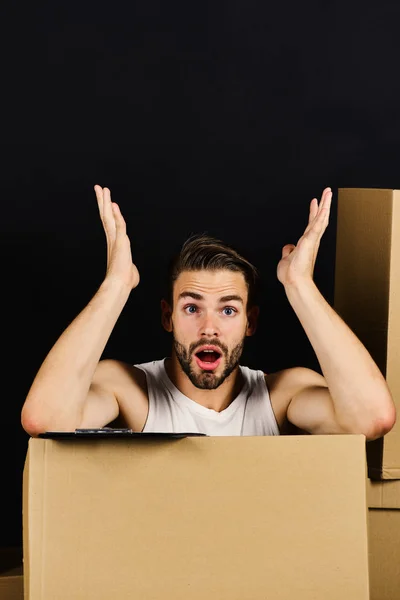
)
(208, 350)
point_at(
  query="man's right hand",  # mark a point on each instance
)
(119, 257)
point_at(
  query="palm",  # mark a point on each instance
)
(119, 257)
(299, 261)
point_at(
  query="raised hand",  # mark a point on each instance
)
(298, 261)
(119, 257)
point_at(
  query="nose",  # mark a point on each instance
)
(209, 327)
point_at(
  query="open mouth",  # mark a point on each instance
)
(208, 359)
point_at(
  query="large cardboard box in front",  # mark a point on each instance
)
(222, 518)
(384, 539)
(367, 296)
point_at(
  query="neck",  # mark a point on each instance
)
(217, 399)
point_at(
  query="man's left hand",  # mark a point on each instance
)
(297, 262)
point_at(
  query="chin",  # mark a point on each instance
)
(206, 383)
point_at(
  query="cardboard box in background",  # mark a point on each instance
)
(367, 296)
(384, 539)
(11, 580)
(222, 518)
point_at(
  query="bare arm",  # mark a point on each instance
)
(357, 398)
(63, 385)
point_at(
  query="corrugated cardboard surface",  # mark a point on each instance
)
(383, 494)
(11, 580)
(384, 550)
(222, 518)
(367, 295)
(384, 539)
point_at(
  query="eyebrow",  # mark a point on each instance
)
(199, 297)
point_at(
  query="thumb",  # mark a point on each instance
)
(288, 249)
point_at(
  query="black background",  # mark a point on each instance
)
(225, 117)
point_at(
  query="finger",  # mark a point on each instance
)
(326, 203)
(108, 215)
(120, 223)
(99, 197)
(320, 223)
(313, 210)
(326, 198)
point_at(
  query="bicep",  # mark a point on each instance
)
(101, 407)
(312, 409)
(117, 390)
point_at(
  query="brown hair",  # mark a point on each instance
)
(201, 251)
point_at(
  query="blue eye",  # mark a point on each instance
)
(189, 309)
(232, 310)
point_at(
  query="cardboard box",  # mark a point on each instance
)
(384, 539)
(367, 296)
(222, 518)
(11, 580)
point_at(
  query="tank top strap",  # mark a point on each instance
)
(259, 406)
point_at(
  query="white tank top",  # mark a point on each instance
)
(170, 411)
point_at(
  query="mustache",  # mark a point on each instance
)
(215, 343)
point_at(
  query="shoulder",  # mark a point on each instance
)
(284, 385)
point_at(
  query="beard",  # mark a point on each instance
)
(207, 380)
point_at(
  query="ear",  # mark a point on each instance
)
(166, 315)
(252, 318)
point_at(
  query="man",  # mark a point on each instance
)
(202, 387)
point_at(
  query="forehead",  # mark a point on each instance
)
(221, 282)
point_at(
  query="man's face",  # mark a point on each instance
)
(209, 323)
